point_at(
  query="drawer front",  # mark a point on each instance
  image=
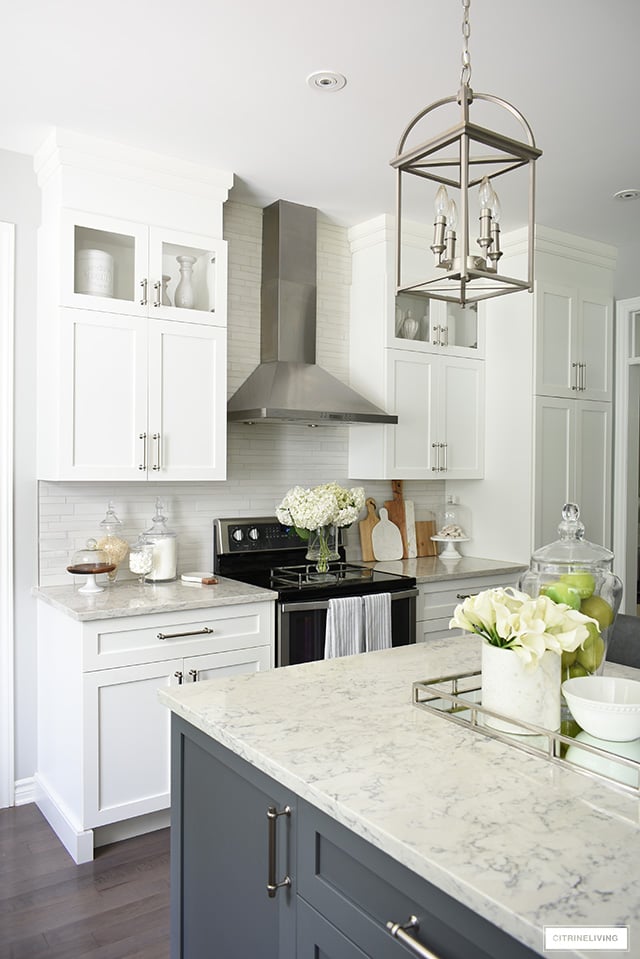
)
(431, 629)
(438, 600)
(145, 639)
(358, 889)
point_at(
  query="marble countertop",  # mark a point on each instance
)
(432, 569)
(514, 837)
(130, 598)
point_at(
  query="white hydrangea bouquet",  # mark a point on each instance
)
(314, 512)
(529, 626)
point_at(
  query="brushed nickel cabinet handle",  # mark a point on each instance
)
(157, 288)
(178, 676)
(583, 381)
(464, 595)
(143, 437)
(272, 818)
(144, 284)
(156, 438)
(399, 931)
(575, 376)
(194, 632)
(194, 675)
(436, 466)
(445, 450)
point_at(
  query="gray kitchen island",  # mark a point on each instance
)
(326, 784)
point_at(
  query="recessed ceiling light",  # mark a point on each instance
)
(630, 194)
(326, 80)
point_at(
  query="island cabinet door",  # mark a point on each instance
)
(358, 890)
(225, 851)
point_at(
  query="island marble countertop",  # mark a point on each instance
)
(518, 839)
(432, 569)
(131, 598)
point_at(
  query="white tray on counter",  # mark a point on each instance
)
(458, 699)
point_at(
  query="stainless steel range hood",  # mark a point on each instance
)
(288, 385)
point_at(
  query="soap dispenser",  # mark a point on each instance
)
(165, 548)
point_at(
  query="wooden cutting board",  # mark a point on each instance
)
(386, 539)
(366, 528)
(397, 514)
(425, 529)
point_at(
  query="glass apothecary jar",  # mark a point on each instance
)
(141, 558)
(164, 565)
(111, 542)
(574, 571)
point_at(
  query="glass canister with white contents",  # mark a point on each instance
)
(164, 566)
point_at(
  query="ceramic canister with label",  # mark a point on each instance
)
(94, 272)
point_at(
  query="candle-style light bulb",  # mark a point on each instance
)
(452, 216)
(485, 197)
(485, 193)
(496, 208)
(441, 206)
(494, 252)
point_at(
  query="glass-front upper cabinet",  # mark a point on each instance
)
(118, 266)
(423, 323)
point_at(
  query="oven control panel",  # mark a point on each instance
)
(250, 535)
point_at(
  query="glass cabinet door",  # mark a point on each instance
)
(421, 322)
(104, 264)
(187, 277)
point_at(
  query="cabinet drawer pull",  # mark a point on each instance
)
(464, 595)
(193, 632)
(583, 376)
(194, 675)
(144, 284)
(272, 884)
(399, 931)
(576, 368)
(179, 677)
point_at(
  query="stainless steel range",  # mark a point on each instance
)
(263, 552)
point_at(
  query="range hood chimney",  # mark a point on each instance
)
(288, 385)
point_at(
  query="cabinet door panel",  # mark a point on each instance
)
(235, 662)
(554, 460)
(413, 378)
(461, 423)
(208, 276)
(127, 741)
(596, 345)
(556, 320)
(187, 401)
(593, 469)
(103, 413)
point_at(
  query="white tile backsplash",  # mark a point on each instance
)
(263, 460)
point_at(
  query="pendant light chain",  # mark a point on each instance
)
(465, 76)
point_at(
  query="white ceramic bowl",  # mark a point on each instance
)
(607, 707)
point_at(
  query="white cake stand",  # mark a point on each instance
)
(450, 551)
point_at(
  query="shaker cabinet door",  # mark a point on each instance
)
(187, 401)
(103, 406)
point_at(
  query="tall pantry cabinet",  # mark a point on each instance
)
(549, 414)
(131, 377)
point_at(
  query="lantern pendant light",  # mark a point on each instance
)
(460, 166)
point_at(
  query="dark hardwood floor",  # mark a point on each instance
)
(116, 907)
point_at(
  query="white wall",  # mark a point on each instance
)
(20, 204)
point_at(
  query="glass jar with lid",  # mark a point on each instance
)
(574, 571)
(111, 542)
(90, 561)
(164, 565)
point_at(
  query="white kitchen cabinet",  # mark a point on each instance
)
(439, 401)
(437, 600)
(571, 436)
(129, 387)
(142, 256)
(574, 342)
(545, 443)
(138, 399)
(103, 737)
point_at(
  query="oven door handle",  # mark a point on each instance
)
(309, 605)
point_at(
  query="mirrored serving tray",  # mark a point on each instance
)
(458, 699)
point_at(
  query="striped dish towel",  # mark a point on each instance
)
(377, 621)
(344, 632)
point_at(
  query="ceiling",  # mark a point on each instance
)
(224, 83)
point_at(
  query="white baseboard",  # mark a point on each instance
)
(24, 791)
(78, 842)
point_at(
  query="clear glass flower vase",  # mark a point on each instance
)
(323, 547)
